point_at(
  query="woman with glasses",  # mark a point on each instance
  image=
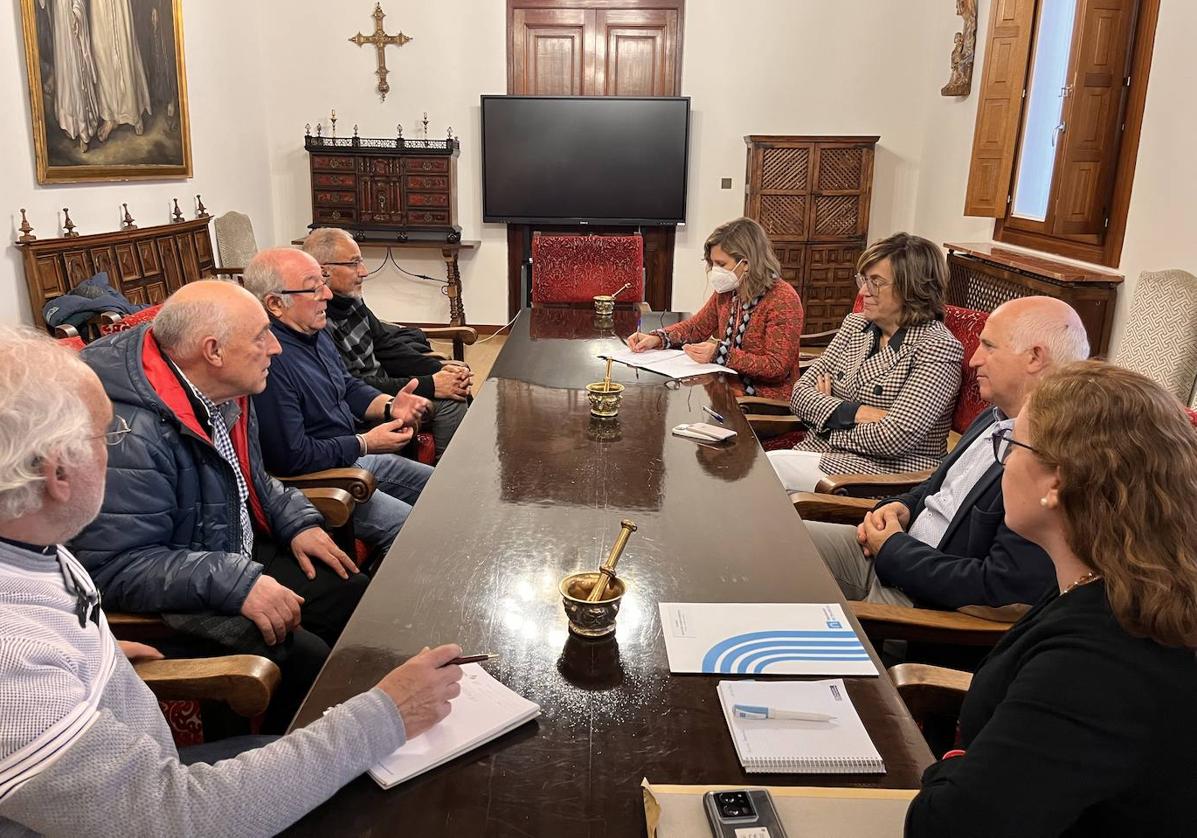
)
(880, 398)
(751, 324)
(1080, 722)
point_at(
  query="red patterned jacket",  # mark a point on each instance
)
(768, 354)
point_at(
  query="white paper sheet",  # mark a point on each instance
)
(673, 363)
(727, 638)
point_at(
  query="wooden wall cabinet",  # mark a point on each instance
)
(812, 194)
(396, 189)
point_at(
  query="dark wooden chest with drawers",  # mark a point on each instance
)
(388, 189)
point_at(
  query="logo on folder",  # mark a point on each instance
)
(754, 652)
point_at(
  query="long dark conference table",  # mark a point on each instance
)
(533, 489)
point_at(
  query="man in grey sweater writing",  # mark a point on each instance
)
(84, 749)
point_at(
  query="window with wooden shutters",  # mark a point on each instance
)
(1057, 132)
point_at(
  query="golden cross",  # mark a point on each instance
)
(381, 41)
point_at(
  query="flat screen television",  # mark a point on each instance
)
(585, 159)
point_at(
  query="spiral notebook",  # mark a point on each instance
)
(783, 746)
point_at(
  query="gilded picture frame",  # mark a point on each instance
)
(107, 89)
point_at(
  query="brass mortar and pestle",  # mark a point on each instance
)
(591, 599)
(604, 304)
(605, 396)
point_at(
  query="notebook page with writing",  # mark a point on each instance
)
(484, 711)
(785, 746)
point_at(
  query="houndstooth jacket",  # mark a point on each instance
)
(917, 386)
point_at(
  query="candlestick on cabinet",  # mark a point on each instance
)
(26, 229)
(176, 217)
(68, 226)
(127, 220)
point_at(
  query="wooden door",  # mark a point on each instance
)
(595, 48)
(551, 52)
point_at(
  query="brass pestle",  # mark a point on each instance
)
(607, 571)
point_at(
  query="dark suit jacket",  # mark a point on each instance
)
(979, 560)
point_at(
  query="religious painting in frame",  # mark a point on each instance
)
(107, 89)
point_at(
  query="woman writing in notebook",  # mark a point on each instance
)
(1081, 722)
(754, 316)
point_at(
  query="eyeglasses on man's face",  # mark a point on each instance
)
(1004, 442)
(116, 431)
(315, 290)
(874, 283)
(355, 263)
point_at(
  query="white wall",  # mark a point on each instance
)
(457, 54)
(228, 156)
(1162, 215)
(750, 66)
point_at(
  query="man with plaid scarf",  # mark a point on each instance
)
(381, 354)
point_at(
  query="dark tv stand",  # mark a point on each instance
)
(658, 259)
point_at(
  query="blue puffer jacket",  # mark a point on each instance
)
(168, 535)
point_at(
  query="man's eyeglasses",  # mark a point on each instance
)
(355, 263)
(1004, 442)
(314, 290)
(115, 434)
(875, 285)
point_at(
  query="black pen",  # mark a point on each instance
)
(471, 659)
(713, 415)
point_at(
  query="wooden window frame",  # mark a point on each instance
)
(1105, 248)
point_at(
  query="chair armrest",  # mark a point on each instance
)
(358, 482)
(137, 627)
(763, 406)
(831, 509)
(245, 683)
(897, 622)
(465, 334)
(871, 485)
(817, 338)
(336, 505)
(930, 691)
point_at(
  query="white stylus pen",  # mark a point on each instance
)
(752, 711)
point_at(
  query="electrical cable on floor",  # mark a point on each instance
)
(497, 331)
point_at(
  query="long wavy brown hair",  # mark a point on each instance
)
(1127, 459)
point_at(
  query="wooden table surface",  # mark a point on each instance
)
(530, 490)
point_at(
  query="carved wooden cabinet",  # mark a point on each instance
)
(811, 194)
(385, 188)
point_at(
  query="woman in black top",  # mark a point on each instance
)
(1083, 719)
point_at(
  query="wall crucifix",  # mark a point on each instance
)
(381, 40)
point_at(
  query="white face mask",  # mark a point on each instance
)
(723, 280)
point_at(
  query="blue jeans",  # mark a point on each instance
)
(400, 481)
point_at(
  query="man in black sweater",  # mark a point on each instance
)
(383, 355)
(945, 543)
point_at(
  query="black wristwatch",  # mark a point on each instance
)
(386, 410)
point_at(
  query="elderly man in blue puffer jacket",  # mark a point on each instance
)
(192, 526)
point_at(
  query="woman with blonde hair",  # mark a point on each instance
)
(1080, 722)
(880, 398)
(753, 321)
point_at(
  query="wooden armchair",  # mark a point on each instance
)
(972, 625)
(245, 683)
(933, 695)
(461, 336)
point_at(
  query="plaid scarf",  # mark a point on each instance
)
(349, 327)
(734, 333)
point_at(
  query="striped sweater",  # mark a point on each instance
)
(84, 749)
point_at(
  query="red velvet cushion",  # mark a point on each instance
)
(574, 269)
(74, 342)
(425, 449)
(130, 320)
(781, 442)
(1192, 415)
(184, 720)
(966, 324)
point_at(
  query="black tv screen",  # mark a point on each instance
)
(595, 159)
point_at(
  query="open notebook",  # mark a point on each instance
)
(782, 746)
(485, 710)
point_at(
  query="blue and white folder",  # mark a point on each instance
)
(727, 638)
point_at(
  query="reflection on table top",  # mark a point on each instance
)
(529, 491)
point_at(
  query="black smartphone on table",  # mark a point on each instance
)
(742, 813)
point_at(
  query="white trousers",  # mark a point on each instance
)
(798, 471)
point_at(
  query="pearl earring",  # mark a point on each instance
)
(1043, 502)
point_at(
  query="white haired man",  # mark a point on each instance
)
(945, 543)
(381, 354)
(84, 749)
(193, 527)
(311, 406)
